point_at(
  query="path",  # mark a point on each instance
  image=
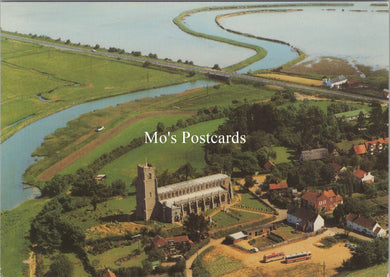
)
(209, 71)
(31, 264)
(213, 242)
(67, 161)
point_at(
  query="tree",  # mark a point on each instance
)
(196, 226)
(160, 127)
(61, 267)
(97, 46)
(246, 162)
(118, 187)
(249, 182)
(187, 170)
(216, 67)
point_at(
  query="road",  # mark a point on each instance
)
(199, 69)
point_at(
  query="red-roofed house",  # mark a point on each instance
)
(171, 243)
(360, 149)
(365, 225)
(278, 186)
(378, 145)
(363, 176)
(326, 200)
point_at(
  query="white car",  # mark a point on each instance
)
(254, 250)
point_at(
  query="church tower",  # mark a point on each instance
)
(146, 191)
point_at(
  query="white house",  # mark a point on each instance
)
(363, 176)
(305, 219)
(365, 225)
(335, 83)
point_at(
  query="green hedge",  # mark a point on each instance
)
(197, 246)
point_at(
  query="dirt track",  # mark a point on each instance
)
(67, 161)
(333, 258)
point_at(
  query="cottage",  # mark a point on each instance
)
(305, 219)
(160, 242)
(315, 154)
(100, 178)
(376, 145)
(365, 225)
(359, 149)
(278, 186)
(326, 200)
(335, 83)
(363, 176)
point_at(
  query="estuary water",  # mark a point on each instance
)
(16, 151)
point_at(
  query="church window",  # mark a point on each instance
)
(150, 194)
(150, 175)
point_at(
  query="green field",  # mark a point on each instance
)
(286, 232)
(248, 200)
(374, 271)
(231, 217)
(15, 247)
(66, 79)
(163, 156)
(220, 264)
(282, 155)
(108, 258)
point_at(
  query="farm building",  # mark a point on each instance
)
(278, 186)
(259, 230)
(171, 203)
(305, 219)
(315, 154)
(236, 237)
(359, 149)
(365, 225)
(335, 83)
(326, 200)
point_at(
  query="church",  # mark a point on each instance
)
(173, 202)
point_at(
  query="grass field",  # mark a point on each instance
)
(108, 258)
(374, 271)
(231, 217)
(346, 145)
(282, 155)
(293, 79)
(250, 201)
(220, 264)
(163, 156)
(286, 232)
(66, 79)
(15, 225)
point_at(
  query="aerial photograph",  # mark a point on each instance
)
(201, 139)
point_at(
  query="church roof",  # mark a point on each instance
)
(192, 182)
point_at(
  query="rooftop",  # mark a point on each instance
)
(238, 235)
(192, 182)
(303, 213)
(360, 149)
(281, 185)
(198, 194)
(361, 221)
(315, 154)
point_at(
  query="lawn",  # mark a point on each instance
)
(15, 245)
(261, 242)
(374, 271)
(108, 258)
(286, 232)
(85, 217)
(283, 155)
(346, 145)
(231, 217)
(66, 79)
(163, 156)
(248, 200)
(220, 264)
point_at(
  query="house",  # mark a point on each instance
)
(269, 165)
(325, 200)
(386, 93)
(171, 243)
(259, 230)
(236, 237)
(359, 149)
(376, 145)
(363, 176)
(315, 154)
(109, 273)
(365, 225)
(335, 83)
(305, 219)
(278, 186)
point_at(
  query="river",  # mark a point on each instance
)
(16, 151)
